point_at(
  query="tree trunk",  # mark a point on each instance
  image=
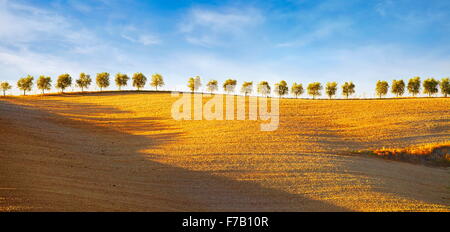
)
(4, 93)
(24, 93)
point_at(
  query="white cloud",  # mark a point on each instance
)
(80, 6)
(383, 6)
(213, 27)
(37, 41)
(322, 31)
(22, 24)
(135, 35)
(25, 61)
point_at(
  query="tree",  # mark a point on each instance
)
(139, 80)
(297, 89)
(264, 88)
(84, 81)
(157, 81)
(64, 81)
(398, 87)
(247, 88)
(414, 86)
(430, 86)
(331, 89)
(121, 80)
(445, 86)
(382, 88)
(281, 88)
(194, 83)
(314, 89)
(348, 88)
(4, 86)
(25, 83)
(102, 80)
(212, 86)
(44, 83)
(229, 85)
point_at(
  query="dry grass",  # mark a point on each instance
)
(130, 140)
(437, 154)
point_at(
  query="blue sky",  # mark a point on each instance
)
(303, 41)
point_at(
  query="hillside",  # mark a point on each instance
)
(123, 152)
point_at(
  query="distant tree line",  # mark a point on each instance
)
(430, 87)
(84, 81)
(398, 87)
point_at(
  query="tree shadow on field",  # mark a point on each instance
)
(51, 162)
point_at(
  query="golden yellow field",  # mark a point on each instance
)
(123, 152)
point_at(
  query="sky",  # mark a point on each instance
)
(299, 41)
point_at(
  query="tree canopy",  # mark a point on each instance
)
(297, 89)
(84, 81)
(348, 88)
(44, 83)
(247, 87)
(281, 88)
(398, 87)
(382, 88)
(212, 86)
(157, 80)
(5, 86)
(314, 89)
(194, 83)
(25, 83)
(414, 86)
(229, 85)
(445, 86)
(264, 88)
(63, 81)
(430, 86)
(331, 89)
(102, 80)
(139, 80)
(121, 80)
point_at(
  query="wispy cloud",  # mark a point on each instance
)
(80, 6)
(208, 27)
(23, 24)
(320, 32)
(37, 41)
(135, 35)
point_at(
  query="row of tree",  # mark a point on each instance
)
(430, 86)
(64, 81)
(281, 88)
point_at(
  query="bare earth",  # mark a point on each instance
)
(124, 152)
